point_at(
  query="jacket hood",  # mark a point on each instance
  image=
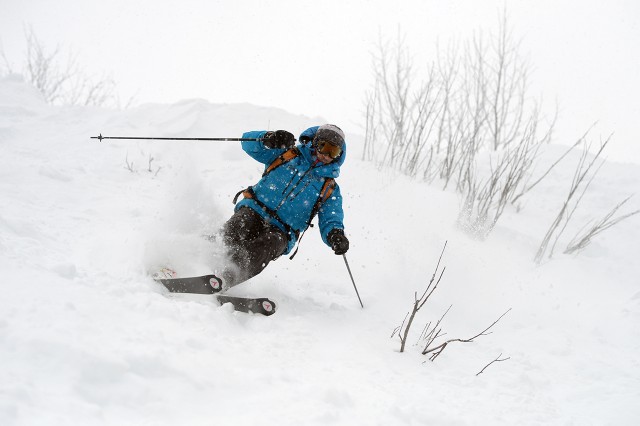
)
(329, 170)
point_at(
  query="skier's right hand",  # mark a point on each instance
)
(280, 139)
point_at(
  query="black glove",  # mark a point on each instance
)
(280, 139)
(339, 242)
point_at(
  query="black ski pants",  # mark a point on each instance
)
(252, 243)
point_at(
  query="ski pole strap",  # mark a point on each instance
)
(251, 195)
(244, 192)
(298, 245)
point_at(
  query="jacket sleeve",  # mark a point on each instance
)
(257, 150)
(331, 215)
(307, 135)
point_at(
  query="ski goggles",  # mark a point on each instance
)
(327, 148)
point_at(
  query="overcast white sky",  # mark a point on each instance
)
(313, 57)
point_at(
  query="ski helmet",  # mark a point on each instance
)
(330, 133)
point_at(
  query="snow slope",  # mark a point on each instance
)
(87, 338)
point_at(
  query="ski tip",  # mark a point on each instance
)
(215, 283)
(164, 273)
(268, 307)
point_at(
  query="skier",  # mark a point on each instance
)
(297, 184)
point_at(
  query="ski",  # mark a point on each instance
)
(211, 284)
(260, 305)
(205, 284)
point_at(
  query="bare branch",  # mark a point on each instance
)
(403, 330)
(5, 60)
(437, 350)
(63, 82)
(581, 240)
(545, 174)
(431, 334)
(570, 205)
(129, 165)
(498, 359)
(397, 329)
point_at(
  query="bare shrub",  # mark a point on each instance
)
(432, 333)
(434, 351)
(506, 88)
(129, 164)
(150, 169)
(486, 199)
(6, 67)
(59, 77)
(403, 330)
(470, 106)
(583, 170)
(584, 174)
(583, 238)
(470, 122)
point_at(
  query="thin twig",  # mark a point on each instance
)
(129, 165)
(419, 302)
(495, 360)
(438, 349)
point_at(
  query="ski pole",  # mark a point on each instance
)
(344, 256)
(100, 138)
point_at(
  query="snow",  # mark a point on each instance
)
(86, 337)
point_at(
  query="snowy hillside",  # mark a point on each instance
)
(87, 338)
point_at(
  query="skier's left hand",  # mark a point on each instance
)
(280, 139)
(339, 242)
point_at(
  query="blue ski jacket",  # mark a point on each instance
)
(292, 189)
